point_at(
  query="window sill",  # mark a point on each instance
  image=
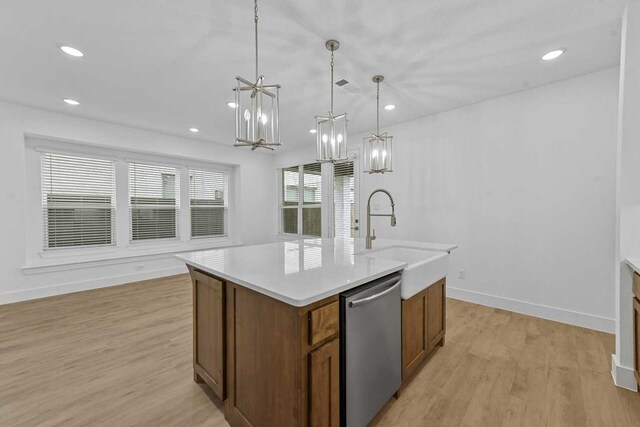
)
(119, 255)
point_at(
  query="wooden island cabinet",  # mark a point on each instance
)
(280, 364)
(274, 364)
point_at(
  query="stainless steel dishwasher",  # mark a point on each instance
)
(370, 349)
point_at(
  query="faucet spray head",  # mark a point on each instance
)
(393, 220)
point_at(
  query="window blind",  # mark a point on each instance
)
(154, 201)
(343, 199)
(312, 210)
(78, 201)
(290, 199)
(208, 195)
(312, 184)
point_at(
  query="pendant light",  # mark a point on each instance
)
(378, 146)
(257, 108)
(331, 130)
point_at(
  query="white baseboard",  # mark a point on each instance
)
(65, 288)
(544, 311)
(622, 375)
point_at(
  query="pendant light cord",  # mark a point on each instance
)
(255, 19)
(378, 108)
(331, 82)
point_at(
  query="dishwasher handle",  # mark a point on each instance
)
(375, 296)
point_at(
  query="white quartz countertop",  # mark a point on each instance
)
(634, 263)
(301, 272)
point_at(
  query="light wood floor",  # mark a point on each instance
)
(122, 357)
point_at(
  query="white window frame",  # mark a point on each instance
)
(227, 177)
(328, 225)
(300, 206)
(45, 217)
(179, 206)
(37, 258)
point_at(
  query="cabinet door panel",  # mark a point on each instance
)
(208, 324)
(436, 314)
(414, 332)
(324, 384)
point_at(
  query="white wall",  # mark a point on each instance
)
(629, 134)
(525, 184)
(628, 194)
(255, 180)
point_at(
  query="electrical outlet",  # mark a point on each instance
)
(462, 274)
(139, 267)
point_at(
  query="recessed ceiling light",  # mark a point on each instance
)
(194, 130)
(313, 131)
(72, 51)
(553, 54)
(232, 105)
(389, 107)
(71, 101)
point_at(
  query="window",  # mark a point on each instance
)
(290, 199)
(301, 205)
(154, 201)
(343, 199)
(78, 201)
(302, 196)
(90, 203)
(208, 197)
(312, 210)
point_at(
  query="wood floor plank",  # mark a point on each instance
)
(602, 404)
(631, 404)
(515, 413)
(489, 403)
(564, 400)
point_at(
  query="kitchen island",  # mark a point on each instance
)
(267, 326)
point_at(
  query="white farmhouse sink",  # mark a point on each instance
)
(424, 267)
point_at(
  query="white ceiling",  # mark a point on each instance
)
(169, 65)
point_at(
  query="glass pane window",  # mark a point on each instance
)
(301, 200)
(290, 220)
(290, 186)
(343, 199)
(312, 221)
(209, 204)
(154, 201)
(78, 201)
(312, 184)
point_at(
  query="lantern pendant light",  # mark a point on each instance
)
(257, 108)
(378, 146)
(331, 130)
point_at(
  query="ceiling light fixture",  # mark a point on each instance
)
(71, 101)
(389, 107)
(378, 146)
(313, 131)
(257, 107)
(194, 130)
(71, 51)
(332, 129)
(554, 54)
(232, 105)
